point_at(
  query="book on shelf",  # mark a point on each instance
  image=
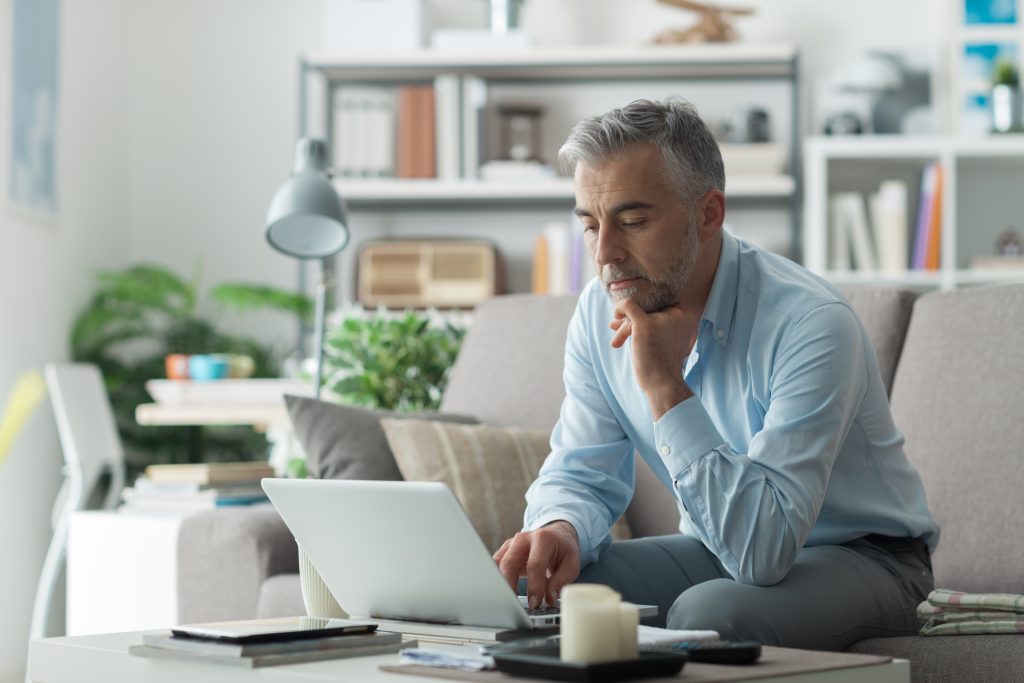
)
(165, 646)
(447, 118)
(363, 120)
(852, 245)
(928, 230)
(888, 210)
(1009, 263)
(561, 264)
(474, 106)
(210, 472)
(416, 132)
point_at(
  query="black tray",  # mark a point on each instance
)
(544, 662)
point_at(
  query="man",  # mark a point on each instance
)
(750, 388)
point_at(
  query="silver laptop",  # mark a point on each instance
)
(403, 551)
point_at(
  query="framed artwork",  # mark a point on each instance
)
(990, 12)
(32, 166)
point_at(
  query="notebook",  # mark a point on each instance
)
(402, 551)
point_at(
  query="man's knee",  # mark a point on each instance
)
(721, 605)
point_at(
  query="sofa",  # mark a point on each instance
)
(952, 361)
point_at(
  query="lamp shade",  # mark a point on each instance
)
(307, 217)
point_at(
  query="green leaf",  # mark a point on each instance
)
(247, 297)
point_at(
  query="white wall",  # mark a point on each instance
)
(46, 271)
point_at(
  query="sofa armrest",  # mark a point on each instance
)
(224, 556)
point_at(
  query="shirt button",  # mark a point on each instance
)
(665, 450)
(720, 334)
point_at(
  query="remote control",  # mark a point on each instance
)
(711, 651)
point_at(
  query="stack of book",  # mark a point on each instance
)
(166, 645)
(192, 488)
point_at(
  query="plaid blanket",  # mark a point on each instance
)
(948, 613)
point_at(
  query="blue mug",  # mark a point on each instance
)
(204, 368)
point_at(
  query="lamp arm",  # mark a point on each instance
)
(326, 281)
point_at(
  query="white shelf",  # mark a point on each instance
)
(979, 198)
(597, 61)
(914, 147)
(256, 415)
(391, 192)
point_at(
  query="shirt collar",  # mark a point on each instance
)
(722, 298)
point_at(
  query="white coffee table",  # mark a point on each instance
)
(105, 658)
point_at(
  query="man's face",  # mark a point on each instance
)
(642, 237)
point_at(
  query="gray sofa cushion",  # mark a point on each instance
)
(885, 314)
(509, 370)
(345, 442)
(957, 397)
(954, 659)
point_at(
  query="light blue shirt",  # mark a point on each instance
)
(788, 440)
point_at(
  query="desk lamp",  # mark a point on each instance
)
(307, 220)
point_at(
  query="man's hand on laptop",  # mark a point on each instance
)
(549, 558)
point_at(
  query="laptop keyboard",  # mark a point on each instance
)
(542, 611)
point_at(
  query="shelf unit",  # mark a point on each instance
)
(980, 198)
(615, 67)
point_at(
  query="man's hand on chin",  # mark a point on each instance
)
(661, 343)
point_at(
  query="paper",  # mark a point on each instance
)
(447, 659)
(28, 391)
(650, 635)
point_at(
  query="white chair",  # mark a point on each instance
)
(92, 449)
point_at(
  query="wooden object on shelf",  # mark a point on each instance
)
(427, 273)
(714, 25)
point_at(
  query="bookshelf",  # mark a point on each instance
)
(569, 84)
(979, 200)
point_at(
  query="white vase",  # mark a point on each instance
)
(316, 596)
(1007, 106)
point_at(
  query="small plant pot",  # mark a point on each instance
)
(1007, 109)
(317, 598)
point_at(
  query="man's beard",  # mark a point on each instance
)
(657, 292)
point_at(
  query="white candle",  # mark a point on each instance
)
(591, 625)
(629, 620)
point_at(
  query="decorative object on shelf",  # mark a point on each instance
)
(394, 361)
(900, 91)
(714, 25)
(844, 123)
(427, 273)
(307, 220)
(1010, 243)
(503, 32)
(519, 127)
(141, 315)
(504, 15)
(1007, 99)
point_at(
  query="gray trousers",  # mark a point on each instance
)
(832, 597)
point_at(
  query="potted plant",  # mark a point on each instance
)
(1007, 101)
(391, 360)
(141, 314)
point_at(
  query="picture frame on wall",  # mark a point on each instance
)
(32, 161)
(990, 12)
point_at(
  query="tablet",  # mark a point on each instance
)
(272, 630)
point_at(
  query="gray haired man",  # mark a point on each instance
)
(750, 388)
